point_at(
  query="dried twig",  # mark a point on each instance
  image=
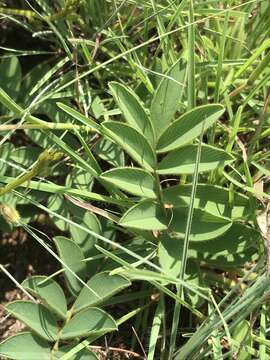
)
(109, 348)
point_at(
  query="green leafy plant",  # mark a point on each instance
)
(52, 323)
(144, 140)
(157, 213)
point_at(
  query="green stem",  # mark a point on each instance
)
(30, 15)
(263, 118)
(17, 182)
(41, 167)
(191, 59)
(44, 126)
(58, 189)
(221, 57)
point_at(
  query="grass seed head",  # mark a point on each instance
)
(10, 214)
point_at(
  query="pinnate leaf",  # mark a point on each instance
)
(204, 226)
(147, 215)
(236, 240)
(84, 354)
(87, 322)
(133, 180)
(132, 141)
(25, 346)
(167, 97)
(104, 285)
(37, 317)
(132, 110)
(71, 254)
(49, 292)
(183, 160)
(189, 126)
(214, 199)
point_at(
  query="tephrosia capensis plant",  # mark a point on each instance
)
(153, 205)
(144, 166)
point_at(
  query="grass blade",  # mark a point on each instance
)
(177, 306)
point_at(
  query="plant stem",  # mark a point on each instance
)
(44, 126)
(191, 59)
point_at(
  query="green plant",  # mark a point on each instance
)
(52, 323)
(168, 154)
(157, 213)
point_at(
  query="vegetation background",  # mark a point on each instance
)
(134, 170)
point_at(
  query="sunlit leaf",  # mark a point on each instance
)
(149, 215)
(211, 198)
(183, 160)
(225, 259)
(168, 96)
(133, 142)
(133, 180)
(189, 126)
(132, 110)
